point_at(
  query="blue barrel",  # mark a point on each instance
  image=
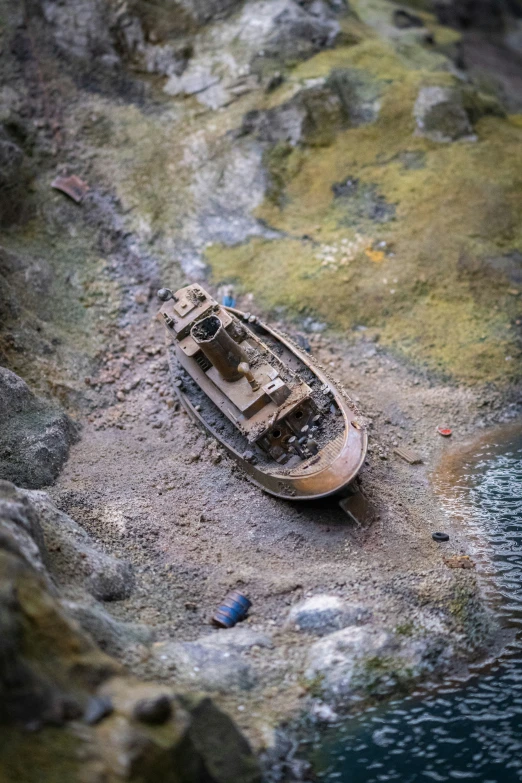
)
(234, 608)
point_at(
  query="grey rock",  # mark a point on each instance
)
(300, 30)
(207, 665)
(361, 662)
(34, 438)
(20, 529)
(225, 753)
(358, 93)
(323, 614)
(336, 659)
(237, 639)
(76, 560)
(96, 709)
(81, 29)
(113, 636)
(312, 116)
(114, 582)
(440, 115)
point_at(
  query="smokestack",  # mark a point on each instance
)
(219, 348)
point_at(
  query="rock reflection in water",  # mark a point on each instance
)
(471, 732)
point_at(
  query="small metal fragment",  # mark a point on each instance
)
(72, 186)
(409, 456)
(358, 508)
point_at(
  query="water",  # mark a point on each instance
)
(470, 731)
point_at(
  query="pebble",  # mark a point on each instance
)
(155, 711)
(98, 708)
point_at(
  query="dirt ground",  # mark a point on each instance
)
(146, 482)
(180, 190)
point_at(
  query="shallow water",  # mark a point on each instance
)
(470, 731)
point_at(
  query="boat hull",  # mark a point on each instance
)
(331, 476)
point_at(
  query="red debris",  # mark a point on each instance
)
(72, 186)
(444, 431)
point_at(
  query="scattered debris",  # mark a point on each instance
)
(444, 431)
(234, 608)
(409, 456)
(72, 186)
(358, 508)
(439, 537)
(459, 561)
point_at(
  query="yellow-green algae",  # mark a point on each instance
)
(465, 201)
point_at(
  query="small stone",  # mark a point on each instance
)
(98, 708)
(155, 711)
(322, 614)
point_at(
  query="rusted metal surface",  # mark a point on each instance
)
(294, 433)
(72, 186)
(358, 508)
(459, 561)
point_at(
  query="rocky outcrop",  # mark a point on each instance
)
(215, 662)
(369, 662)
(77, 561)
(34, 438)
(15, 167)
(52, 674)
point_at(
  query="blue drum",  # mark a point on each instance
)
(234, 608)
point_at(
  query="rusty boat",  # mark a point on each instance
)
(293, 431)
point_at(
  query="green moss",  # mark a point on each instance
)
(47, 756)
(405, 629)
(378, 676)
(468, 612)
(463, 201)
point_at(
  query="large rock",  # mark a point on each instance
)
(82, 29)
(213, 662)
(263, 36)
(440, 115)
(312, 116)
(47, 664)
(15, 171)
(53, 675)
(34, 438)
(77, 561)
(126, 641)
(362, 662)
(323, 614)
